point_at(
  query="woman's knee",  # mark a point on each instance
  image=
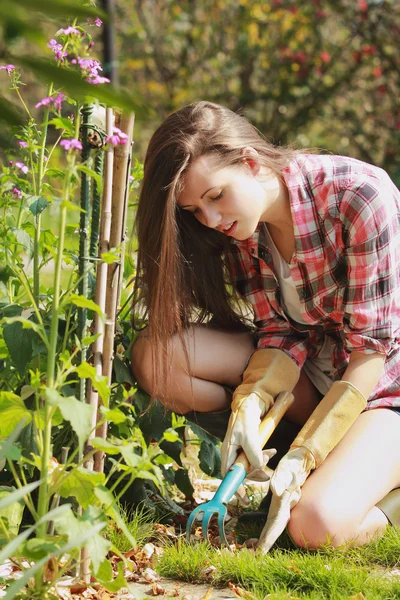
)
(141, 361)
(319, 521)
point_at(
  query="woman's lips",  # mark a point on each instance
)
(231, 229)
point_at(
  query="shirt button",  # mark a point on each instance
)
(252, 250)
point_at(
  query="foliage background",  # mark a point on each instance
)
(322, 73)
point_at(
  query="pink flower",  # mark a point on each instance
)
(51, 100)
(23, 144)
(70, 30)
(58, 100)
(57, 49)
(22, 166)
(97, 21)
(97, 79)
(45, 102)
(117, 137)
(17, 193)
(71, 144)
(8, 68)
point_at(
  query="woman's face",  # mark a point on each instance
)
(233, 199)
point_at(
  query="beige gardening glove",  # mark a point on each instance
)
(269, 372)
(329, 422)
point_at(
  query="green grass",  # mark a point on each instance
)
(139, 523)
(324, 574)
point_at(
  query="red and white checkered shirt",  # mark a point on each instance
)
(346, 268)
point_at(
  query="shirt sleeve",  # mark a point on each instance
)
(272, 329)
(371, 301)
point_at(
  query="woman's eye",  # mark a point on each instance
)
(219, 196)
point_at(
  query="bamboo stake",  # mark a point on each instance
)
(122, 154)
(101, 278)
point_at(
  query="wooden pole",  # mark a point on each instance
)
(122, 160)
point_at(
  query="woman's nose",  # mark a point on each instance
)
(211, 217)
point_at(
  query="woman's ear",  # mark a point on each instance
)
(251, 159)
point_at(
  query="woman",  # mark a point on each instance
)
(312, 244)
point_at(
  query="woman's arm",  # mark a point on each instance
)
(364, 371)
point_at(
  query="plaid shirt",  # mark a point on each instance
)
(346, 268)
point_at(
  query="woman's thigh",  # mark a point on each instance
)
(216, 359)
(359, 472)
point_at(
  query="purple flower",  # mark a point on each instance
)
(22, 166)
(71, 144)
(23, 144)
(70, 30)
(17, 193)
(57, 49)
(56, 101)
(97, 21)
(8, 68)
(117, 137)
(97, 79)
(45, 102)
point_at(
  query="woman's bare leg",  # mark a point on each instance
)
(339, 498)
(217, 359)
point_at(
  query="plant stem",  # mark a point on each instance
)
(38, 219)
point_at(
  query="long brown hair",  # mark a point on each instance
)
(183, 274)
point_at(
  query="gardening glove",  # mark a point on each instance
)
(269, 372)
(329, 422)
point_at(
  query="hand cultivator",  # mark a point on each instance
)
(236, 474)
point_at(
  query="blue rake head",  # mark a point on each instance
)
(204, 513)
(217, 506)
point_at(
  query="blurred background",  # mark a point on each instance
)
(317, 73)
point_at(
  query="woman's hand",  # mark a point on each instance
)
(269, 372)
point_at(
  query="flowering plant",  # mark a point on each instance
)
(40, 367)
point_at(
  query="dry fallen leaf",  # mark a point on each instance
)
(209, 572)
(207, 595)
(240, 592)
(150, 575)
(157, 589)
(293, 567)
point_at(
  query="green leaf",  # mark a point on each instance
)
(13, 411)
(86, 537)
(73, 83)
(63, 123)
(105, 446)
(72, 527)
(183, 482)
(37, 205)
(80, 484)
(19, 344)
(37, 548)
(98, 179)
(171, 436)
(123, 374)
(79, 414)
(83, 302)
(113, 415)
(18, 494)
(100, 382)
(10, 549)
(210, 458)
(61, 8)
(13, 512)
(107, 579)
